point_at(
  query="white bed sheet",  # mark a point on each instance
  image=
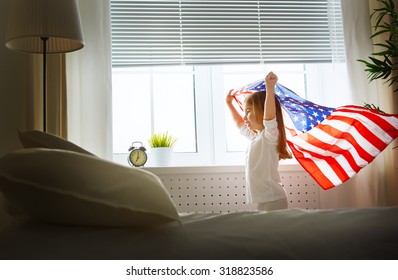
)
(287, 234)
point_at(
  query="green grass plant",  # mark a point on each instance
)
(161, 139)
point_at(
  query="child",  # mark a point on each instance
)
(263, 125)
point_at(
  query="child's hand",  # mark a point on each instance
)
(270, 80)
(230, 97)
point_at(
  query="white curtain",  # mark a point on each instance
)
(389, 102)
(89, 80)
(370, 187)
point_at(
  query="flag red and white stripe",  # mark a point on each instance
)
(341, 145)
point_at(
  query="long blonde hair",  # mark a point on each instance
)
(257, 100)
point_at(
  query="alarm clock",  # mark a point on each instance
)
(137, 156)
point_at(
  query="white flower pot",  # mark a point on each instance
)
(161, 156)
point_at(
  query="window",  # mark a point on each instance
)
(189, 102)
(174, 61)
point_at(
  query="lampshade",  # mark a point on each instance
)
(57, 20)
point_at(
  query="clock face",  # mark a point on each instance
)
(138, 157)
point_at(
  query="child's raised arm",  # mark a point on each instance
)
(235, 114)
(269, 105)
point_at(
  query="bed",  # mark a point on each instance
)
(68, 204)
(286, 234)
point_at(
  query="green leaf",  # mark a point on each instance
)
(384, 61)
(376, 61)
(372, 107)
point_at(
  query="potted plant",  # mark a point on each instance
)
(161, 145)
(383, 64)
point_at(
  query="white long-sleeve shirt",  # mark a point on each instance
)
(263, 182)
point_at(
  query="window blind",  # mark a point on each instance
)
(212, 32)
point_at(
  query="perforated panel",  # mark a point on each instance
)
(302, 191)
(226, 191)
(207, 192)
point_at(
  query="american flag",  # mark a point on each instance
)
(332, 144)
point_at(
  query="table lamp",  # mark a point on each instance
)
(44, 27)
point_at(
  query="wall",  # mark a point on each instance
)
(13, 88)
(14, 69)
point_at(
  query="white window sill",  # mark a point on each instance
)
(214, 169)
(284, 166)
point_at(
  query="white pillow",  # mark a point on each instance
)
(65, 187)
(40, 139)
